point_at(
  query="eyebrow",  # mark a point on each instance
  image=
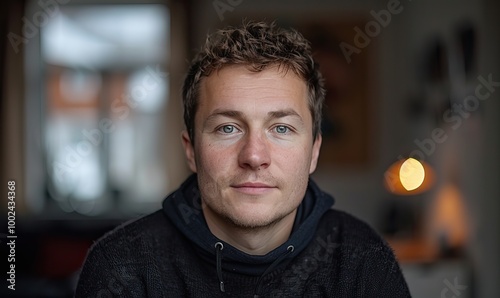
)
(239, 115)
(283, 113)
(225, 113)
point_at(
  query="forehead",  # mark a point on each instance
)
(237, 85)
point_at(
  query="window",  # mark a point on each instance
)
(104, 89)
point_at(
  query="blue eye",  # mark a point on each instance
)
(227, 129)
(281, 129)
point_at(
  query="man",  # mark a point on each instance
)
(249, 222)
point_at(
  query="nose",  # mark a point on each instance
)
(254, 153)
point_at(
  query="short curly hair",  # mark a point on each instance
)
(257, 45)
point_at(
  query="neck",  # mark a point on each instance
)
(253, 241)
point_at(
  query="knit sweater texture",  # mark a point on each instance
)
(171, 253)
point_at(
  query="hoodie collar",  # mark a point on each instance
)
(183, 207)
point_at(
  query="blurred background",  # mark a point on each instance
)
(91, 117)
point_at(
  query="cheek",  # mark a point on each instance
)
(209, 173)
(296, 160)
(212, 159)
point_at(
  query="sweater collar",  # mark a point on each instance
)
(183, 207)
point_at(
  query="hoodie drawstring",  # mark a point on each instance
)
(273, 265)
(218, 253)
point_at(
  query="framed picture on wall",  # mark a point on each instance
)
(347, 124)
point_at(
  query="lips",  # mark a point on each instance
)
(253, 185)
(253, 188)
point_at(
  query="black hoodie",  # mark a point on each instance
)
(184, 209)
(174, 254)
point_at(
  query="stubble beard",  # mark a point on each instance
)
(246, 226)
(242, 225)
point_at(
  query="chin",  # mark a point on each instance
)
(256, 220)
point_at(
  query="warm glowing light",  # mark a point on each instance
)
(449, 220)
(407, 177)
(411, 174)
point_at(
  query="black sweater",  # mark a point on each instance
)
(171, 253)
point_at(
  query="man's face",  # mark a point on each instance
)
(253, 148)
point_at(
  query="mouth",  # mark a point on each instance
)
(253, 188)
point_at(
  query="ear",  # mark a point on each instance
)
(189, 150)
(315, 153)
